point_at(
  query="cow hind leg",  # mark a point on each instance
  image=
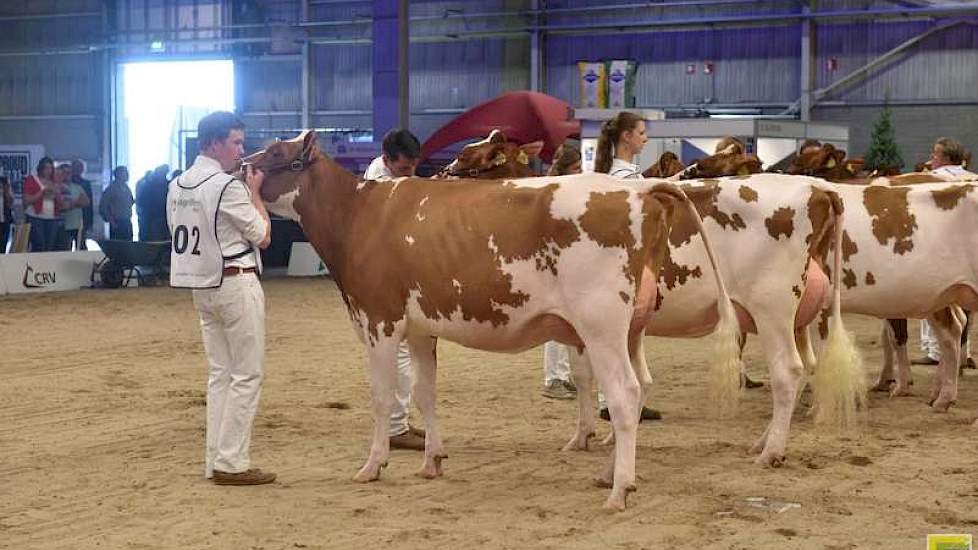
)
(948, 325)
(787, 369)
(636, 352)
(424, 358)
(583, 378)
(382, 372)
(617, 380)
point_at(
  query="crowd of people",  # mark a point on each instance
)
(59, 206)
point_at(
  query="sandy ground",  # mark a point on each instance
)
(101, 436)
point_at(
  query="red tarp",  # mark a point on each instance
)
(523, 116)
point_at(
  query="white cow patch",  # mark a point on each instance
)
(409, 239)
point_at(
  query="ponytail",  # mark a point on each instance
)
(606, 139)
(611, 132)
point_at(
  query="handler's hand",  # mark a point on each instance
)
(254, 178)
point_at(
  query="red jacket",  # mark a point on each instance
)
(33, 185)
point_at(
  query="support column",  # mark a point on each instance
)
(536, 51)
(306, 53)
(390, 66)
(808, 63)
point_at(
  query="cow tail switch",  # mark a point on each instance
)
(840, 379)
(726, 367)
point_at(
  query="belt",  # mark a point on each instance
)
(232, 271)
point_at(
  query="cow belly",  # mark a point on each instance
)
(511, 338)
(696, 321)
(815, 295)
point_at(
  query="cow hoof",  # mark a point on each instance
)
(367, 474)
(974, 424)
(941, 406)
(770, 460)
(578, 443)
(615, 503)
(900, 391)
(883, 386)
(602, 483)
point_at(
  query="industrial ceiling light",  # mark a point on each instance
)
(157, 46)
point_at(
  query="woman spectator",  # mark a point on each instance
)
(76, 200)
(43, 202)
(557, 382)
(622, 138)
(6, 214)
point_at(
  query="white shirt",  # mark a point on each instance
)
(622, 169)
(239, 225)
(951, 170)
(378, 170)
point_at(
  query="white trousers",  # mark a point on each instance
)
(232, 321)
(402, 392)
(928, 342)
(556, 362)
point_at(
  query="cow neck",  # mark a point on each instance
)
(325, 206)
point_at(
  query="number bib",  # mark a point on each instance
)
(196, 260)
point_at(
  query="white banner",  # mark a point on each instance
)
(47, 271)
(304, 262)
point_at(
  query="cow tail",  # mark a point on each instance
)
(840, 378)
(726, 366)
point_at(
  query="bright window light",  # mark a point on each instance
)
(162, 98)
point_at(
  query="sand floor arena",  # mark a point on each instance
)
(101, 436)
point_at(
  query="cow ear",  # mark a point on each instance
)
(309, 138)
(496, 136)
(532, 149)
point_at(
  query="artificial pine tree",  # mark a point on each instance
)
(883, 155)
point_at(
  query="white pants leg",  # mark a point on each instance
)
(402, 392)
(232, 321)
(556, 362)
(928, 341)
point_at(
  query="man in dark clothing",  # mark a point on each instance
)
(77, 169)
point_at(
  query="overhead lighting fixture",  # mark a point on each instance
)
(157, 46)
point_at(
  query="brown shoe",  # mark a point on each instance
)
(416, 431)
(407, 440)
(253, 476)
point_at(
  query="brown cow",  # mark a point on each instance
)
(501, 265)
(667, 166)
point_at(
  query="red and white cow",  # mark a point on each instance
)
(501, 265)
(892, 268)
(773, 233)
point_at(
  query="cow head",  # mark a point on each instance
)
(494, 157)
(285, 166)
(667, 165)
(819, 162)
(724, 164)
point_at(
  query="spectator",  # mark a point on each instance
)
(6, 214)
(400, 158)
(77, 172)
(730, 144)
(622, 138)
(76, 200)
(557, 382)
(142, 203)
(116, 205)
(43, 201)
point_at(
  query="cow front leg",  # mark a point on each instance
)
(583, 377)
(786, 371)
(886, 379)
(901, 356)
(947, 324)
(382, 373)
(424, 359)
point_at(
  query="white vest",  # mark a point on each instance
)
(952, 170)
(196, 260)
